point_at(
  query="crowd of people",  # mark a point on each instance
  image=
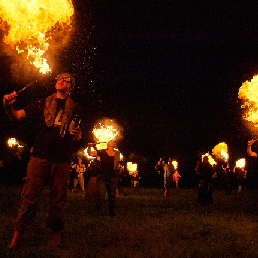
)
(168, 175)
(218, 176)
(56, 130)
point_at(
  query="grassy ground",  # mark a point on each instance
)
(147, 225)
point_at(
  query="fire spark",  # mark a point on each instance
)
(30, 25)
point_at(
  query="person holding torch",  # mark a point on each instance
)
(107, 177)
(55, 135)
(250, 152)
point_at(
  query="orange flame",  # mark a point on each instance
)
(131, 167)
(220, 151)
(248, 93)
(29, 25)
(240, 163)
(175, 164)
(210, 159)
(106, 130)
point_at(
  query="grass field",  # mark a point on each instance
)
(147, 225)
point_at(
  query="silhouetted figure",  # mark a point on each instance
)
(205, 171)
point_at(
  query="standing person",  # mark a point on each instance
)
(107, 178)
(80, 169)
(230, 180)
(53, 142)
(205, 171)
(159, 167)
(176, 177)
(168, 172)
(240, 178)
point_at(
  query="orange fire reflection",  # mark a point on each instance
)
(30, 26)
(248, 93)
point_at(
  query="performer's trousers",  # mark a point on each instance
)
(40, 171)
(107, 185)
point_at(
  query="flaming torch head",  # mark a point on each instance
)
(220, 151)
(107, 130)
(248, 93)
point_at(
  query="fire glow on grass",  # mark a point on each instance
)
(248, 93)
(29, 26)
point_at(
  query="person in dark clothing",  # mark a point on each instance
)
(205, 171)
(53, 142)
(230, 180)
(159, 167)
(107, 178)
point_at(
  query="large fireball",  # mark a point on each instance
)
(30, 26)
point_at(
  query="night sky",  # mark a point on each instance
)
(168, 72)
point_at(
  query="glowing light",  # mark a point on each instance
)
(87, 155)
(210, 159)
(240, 163)
(12, 142)
(220, 151)
(131, 167)
(30, 26)
(105, 131)
(248, 93)
(175, 164)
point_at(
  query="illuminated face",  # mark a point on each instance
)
(111, 144)
(65, 82)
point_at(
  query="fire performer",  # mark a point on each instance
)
(205, 171)
(107, 178)
(249, 149)
(52, 148)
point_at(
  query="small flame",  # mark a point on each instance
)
(240, 163)
(30, 25)
(210, 159)
(12, 142)
(175, 164)
(87, 155)
(131, 167)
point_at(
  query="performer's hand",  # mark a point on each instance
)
(77, 133)
(250, 143)
(9, 99)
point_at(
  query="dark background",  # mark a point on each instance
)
(167, 71)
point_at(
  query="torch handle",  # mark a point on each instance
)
(25, 87)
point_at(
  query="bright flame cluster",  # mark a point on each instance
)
(29, 23)
(175, 164)
(248, 93)
(221, 151)
(210, 159)
(131, 167)
(240, 163)
(12, 142)
(105, 133)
